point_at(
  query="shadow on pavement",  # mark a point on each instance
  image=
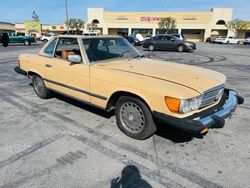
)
(172, 133)
(130, 178)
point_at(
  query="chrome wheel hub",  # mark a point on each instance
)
(132, 117)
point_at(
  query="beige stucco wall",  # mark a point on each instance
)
(54, 28)
(7, 26)
(205, 21)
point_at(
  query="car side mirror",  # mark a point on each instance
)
(74, 59)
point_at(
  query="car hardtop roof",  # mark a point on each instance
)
(82, 36)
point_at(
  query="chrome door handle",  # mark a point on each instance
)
(48, 65)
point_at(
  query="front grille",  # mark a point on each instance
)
(211, 96)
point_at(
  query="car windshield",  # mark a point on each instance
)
(102, 49)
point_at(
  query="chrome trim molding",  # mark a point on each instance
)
(77, 89)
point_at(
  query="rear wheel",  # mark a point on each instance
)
(40, 88)
(180, 48)
(134, 118)
(238, 42)
(26, 42)
(45, 41)
(151, 47)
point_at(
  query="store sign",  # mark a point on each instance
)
(189, 18)
(32, 26)
(150, 19)
(122, 18)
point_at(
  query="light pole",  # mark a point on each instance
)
(67, 15)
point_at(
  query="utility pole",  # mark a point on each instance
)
(67, 15)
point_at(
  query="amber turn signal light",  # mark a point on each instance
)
(173, 104)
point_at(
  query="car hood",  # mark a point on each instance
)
(198, 79)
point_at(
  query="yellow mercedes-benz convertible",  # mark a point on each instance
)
(108, 72)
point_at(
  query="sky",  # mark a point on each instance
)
(53, 11)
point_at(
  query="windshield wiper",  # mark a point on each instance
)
(136, 57)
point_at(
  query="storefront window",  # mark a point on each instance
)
(143, 32)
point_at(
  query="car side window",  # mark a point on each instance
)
(158, 38)
(66, 47)
(50, 49)
(167, 38)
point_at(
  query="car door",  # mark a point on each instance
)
(66, 77)
(167, 43)
(158, 42)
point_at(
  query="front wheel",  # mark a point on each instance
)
(40, 88)
(134, 118)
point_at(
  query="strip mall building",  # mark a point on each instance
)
(197, 26)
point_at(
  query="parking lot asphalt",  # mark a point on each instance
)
(60, 142)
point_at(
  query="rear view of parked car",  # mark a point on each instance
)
(246, 41)
(133, 40)
(168, 42)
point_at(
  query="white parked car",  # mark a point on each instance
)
(179, 36)
(246, 41)
(45, 38)
(227, 40)
(91, 33)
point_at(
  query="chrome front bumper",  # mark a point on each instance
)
(213, 118)
(218, 118)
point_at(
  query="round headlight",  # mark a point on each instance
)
(189, 105)
(185, 106)
(195, 103)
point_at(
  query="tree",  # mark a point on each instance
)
(35, 16)
(167, 24)
(92, 26)
(75, 24)
(237, 25)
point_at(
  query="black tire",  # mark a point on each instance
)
(227, 42)
(181, 48)
(45, 41)
(138, 124)
(238, 42)
(151, 47)
(26, 42)
(133, 43)
(40, 88)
